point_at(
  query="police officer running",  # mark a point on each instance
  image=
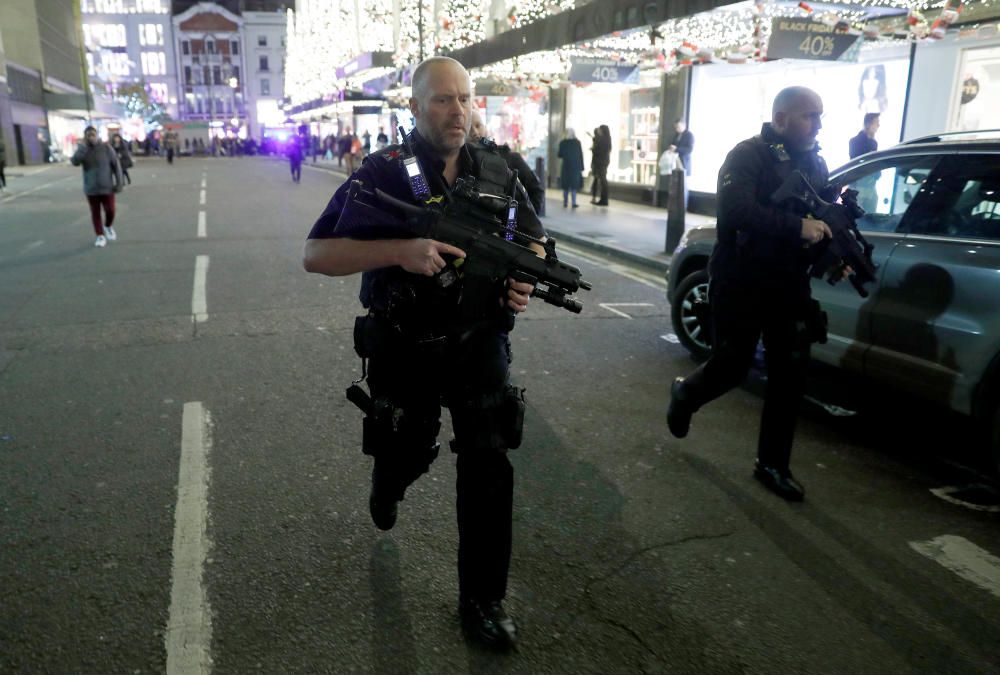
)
(423, 352)
(760, 284)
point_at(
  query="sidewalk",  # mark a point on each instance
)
(633, 232)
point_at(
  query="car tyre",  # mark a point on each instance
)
(687, 326)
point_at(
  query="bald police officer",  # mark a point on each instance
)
(759, 283)
(423, 352)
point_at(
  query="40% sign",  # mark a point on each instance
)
(817, 45)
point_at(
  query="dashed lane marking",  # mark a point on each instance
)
(963, 558)
(199, 302)
(189, 626)
(203, 181)
(621, 270)
(201, 225)
(33, 245)
(610, 306)
(201, 198)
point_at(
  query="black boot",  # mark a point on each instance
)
(382, 502)
(487, 622)
(679, 410)
(780, 482)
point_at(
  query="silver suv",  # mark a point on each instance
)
(931, 324)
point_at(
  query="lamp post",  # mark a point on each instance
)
(234, 84)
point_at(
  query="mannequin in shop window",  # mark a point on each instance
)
(600, 160)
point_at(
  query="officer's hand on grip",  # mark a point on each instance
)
(518, 293)
(424, 256)
(814, 230)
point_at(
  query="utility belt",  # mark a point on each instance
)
(499, 414)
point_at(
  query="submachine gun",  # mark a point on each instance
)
(481, 225)
(847, 247)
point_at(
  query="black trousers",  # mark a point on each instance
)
(599, 188)
(419, 380)
(739, 318)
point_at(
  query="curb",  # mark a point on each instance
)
(624, 255)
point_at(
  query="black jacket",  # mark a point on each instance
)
(861, 144)
(759, 244)
(536, 193)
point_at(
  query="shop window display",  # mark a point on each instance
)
(977, 95)
(522, 122)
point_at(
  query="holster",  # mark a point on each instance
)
(512, 415)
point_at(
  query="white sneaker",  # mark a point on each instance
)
(100, 242)
(110, 231)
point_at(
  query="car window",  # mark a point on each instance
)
(886, 188)
(962, 199)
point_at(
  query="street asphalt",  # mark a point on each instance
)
(182, 486)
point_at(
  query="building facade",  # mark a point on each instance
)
(128, 45)
(211, 63)
(265, 40)
(42, 73)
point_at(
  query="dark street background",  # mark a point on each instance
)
(633, 551)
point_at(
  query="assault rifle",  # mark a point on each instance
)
(482, 226)
(847, 247)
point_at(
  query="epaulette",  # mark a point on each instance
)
(390, 153)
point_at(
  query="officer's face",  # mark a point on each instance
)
(445, 113)
(801, 121)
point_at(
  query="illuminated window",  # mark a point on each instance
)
(151, 34)
(98, 35)
(150, 7)
(154, 63)
(115, 63)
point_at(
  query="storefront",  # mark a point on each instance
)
(515, 116)
(730, 102)
(629, 104)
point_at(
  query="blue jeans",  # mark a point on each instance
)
(566, 193)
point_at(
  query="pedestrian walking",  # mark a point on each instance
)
(366, 143)
(600, 160)
(3, 164)
(124, 156)
(354, 155)
(102, 178)
(295, 157)
(170, 142)
(344, 147)
(683, 145)
(571, 172)
(759, 284)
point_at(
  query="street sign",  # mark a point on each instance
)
(813, 40)
(583, 69)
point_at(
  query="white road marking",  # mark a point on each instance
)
(189, 627)
(32, 245)
(199, 304)
(621, 270)
(945, 493)
(671, 338)
(201, 225)
(34, 189)
(201, 199)
(963, 558)
(610, 306)
(202, 181)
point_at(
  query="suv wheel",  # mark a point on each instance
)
(688, 327)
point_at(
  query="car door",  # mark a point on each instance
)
(935, 329)
(886, 187)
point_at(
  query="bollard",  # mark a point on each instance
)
(675, 210)
(540, 174)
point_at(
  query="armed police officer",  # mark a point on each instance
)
(423, 347)
(536, 193)
(759, 283)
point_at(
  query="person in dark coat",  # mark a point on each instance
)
(683, 144)
(759, 283)
(600, 160)
(571, 174)
(295, 156)
(865, 141)
(124, 156)
(102, 178)
(515, 162)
